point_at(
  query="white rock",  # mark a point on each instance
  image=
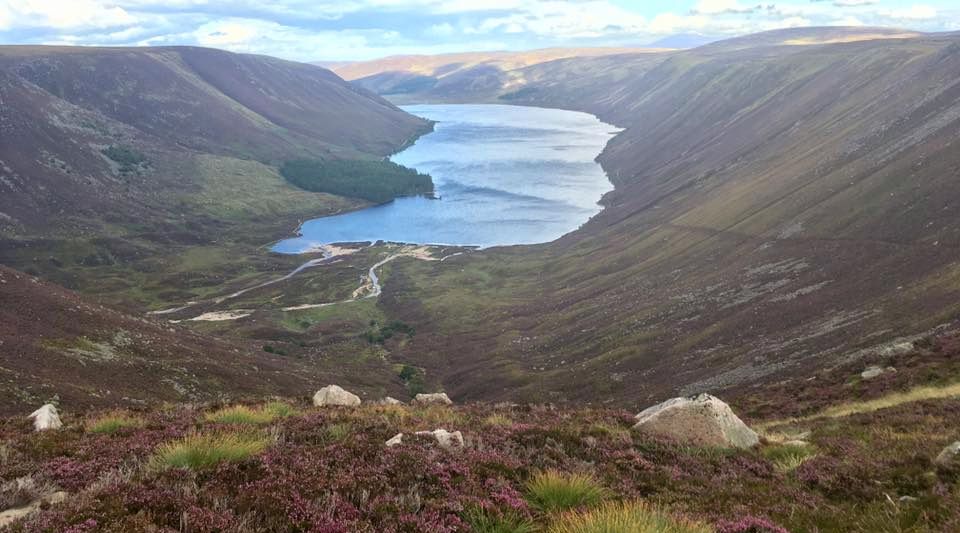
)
(46, 418)
(390, 401)
(872, 372)
(948, 456)
(446, 439)
(701, 420)
(396, 440)
(438, 398)
(334, 395)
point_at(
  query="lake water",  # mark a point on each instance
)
(503, 175)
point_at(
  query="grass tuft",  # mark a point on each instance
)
(114, 422)
(624, 517)
(497, 419)
(482, 521)
(558, 491)
(787, 457)
(242, 414)
(280, 409)
(338, 432)
(205, 450)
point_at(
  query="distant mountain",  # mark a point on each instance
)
(813, 36)
(459, 77)
(683, 40)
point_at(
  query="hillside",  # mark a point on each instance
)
(119, 164)
(466, 77)
(63, 106)
(55, 344)
(778, 209)
(871, 462)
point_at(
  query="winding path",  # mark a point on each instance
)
(370, 286)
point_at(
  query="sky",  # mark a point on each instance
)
(315, 30)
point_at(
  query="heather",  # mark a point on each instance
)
(523, 468)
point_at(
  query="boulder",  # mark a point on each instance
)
(390, 401)
(446, 439)
(875, 371)
(435, 398)
(14, 514)
(46, 418)
(701, 420)
(949, 457)
(395, 440)
(334, 395)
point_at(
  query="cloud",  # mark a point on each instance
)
(61, 15)
(914, 12)
(714, 7)
(354, 29)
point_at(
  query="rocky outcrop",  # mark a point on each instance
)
(46, 418)
(949, 457)
(334, 395)
(389, 400)
(395, 440)
(446, 439)
(440, 398)
(701, 420)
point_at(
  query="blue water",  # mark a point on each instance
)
(503, 174)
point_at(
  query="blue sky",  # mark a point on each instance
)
(365, 29)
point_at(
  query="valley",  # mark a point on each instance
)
(717, 262)
(498, 292)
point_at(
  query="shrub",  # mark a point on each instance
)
(482, 521)
(204, 450)
(128, 158)
(557, 491)
(114, 422)
(276, 351)
(624, 517)
(241, 414)
(413, 378)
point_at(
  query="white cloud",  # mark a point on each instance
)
(565, 20)
(714, 7)
(313, 29)
(62, 14)
(914, 12)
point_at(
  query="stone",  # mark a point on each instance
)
(872, 372)
(435, 398)
(948, 457)
(10, 516)
(446, 439)
(701, 420)
(396, 440)
(46, 418)
(390, 401)
(334, 395)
